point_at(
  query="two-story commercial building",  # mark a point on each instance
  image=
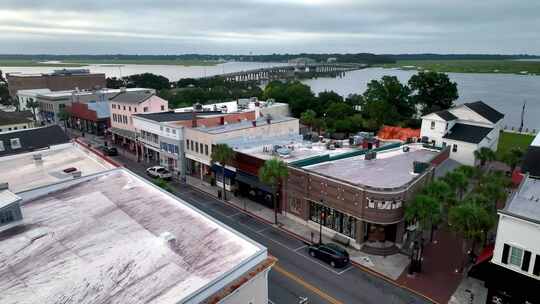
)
(17, 120)
(160, 136)
(199, 142)
(465, 128)
(126, 104)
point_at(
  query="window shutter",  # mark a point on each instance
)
(526, 261)
(536, 269)
(506, 250)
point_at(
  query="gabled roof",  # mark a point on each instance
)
(33, 139)
(467, 133)
(174, 116)
(485, 111)
(132, 97)
(10, 118)
(446, 115)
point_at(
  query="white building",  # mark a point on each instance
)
(108, 236)
(263, 108)
(465, 128)
(24, 96)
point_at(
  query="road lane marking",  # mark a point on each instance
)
(306, 285)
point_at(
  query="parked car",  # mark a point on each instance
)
(109, 151)
(331, 253)
(159, 172)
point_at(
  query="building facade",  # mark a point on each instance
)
(122, 108)
(91, 117)
(358, 200)
(11, 121)
(66, 79)
(465, 128)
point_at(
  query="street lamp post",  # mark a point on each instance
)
(321, 219)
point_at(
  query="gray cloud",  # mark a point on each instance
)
(266, 26)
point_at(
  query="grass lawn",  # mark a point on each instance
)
(33, 63)
(509, 140)
(470, 66)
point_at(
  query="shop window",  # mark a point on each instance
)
(162, 108)
(295, 206)
(333, 219)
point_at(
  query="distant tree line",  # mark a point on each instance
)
(396, 57)
(349, 58)
(385, 102)
(188, 91)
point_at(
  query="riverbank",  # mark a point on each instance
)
(470, 66)
(83, 62)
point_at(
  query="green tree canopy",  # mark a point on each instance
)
(484, 155)
(433, 91)
(513, 157)
(148, 80)
(387, 101)
(457, 181)
(471, 220)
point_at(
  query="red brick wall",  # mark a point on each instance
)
(80, 110)
(442, 156)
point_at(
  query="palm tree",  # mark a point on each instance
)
(426, 210)
(442, 192)
(457, 181)
(272, 173)
(471, 220)
(222, 154)
(484, 155)
(33, 105)
(513, 157)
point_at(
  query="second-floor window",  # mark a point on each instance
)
(162, 108)
(206, 149)
(145, 109)
(516, 256)
(432, 125)
(113, 106)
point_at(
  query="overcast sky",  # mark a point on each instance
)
(269, 26)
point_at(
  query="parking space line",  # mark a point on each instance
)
(235, 214)
(259, 230)
(301, 247)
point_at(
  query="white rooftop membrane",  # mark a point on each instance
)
(98, 240)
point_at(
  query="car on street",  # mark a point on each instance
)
(159, 172)
(330, 253)
(109, 151)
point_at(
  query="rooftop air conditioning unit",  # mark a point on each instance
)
(406, 148)
(76, 174)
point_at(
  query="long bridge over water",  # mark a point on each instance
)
(291, 71)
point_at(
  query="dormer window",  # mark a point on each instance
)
(15, 143)
(432, 125)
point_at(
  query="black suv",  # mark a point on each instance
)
(331, 253)
(109, 151)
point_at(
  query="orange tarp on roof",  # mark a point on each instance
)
(391, 132)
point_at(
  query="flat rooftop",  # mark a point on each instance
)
(297, 148)
(526, 202)
(233, 106)
(391, 169)
(243, 125)
(22, 172)
(116, 238)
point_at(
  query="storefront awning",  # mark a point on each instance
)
(218, 170)
(124, 133)
(252, 180)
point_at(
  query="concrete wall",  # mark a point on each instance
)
(518, 233)
(254, 291)
(27, 125)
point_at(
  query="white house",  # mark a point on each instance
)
(466, 128)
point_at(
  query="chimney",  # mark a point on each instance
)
(222, 120)
(194, 119)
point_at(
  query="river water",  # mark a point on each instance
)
(505, 92)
